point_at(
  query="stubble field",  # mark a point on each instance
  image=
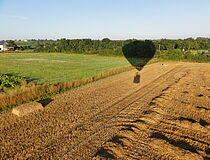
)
(164, 117)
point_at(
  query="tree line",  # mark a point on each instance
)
(92, 46)
(110, 47)
(183, 44)
(79, 45)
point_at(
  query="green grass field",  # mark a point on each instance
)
(56, 67)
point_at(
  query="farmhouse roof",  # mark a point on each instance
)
(2, 42)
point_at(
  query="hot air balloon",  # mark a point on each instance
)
(138, 53)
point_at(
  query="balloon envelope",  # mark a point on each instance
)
(138, 53)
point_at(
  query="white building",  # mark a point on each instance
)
(3, 46)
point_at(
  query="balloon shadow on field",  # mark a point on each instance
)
(139, 53)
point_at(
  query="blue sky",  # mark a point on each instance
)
(96, 19)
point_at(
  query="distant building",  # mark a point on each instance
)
(3, 46)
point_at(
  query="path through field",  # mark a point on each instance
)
(164, 117)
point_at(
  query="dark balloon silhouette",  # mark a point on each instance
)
(138, 53)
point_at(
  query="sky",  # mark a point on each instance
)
(97, 19)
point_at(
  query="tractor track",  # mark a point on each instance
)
(113, 110)
(169, 131)
(123, 105)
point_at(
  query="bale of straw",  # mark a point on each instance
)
(25, 109)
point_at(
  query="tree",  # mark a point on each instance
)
(106, 40)
(11, 43)
(202, 42)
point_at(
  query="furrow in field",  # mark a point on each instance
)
(112, 119)
(166, 117)
(62, 120)
(167, 128)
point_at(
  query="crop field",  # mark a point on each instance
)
(105, 80)
(56, 67)
(164, 117)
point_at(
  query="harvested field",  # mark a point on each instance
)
(166, 116)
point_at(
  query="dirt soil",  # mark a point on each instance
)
(164, 117)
